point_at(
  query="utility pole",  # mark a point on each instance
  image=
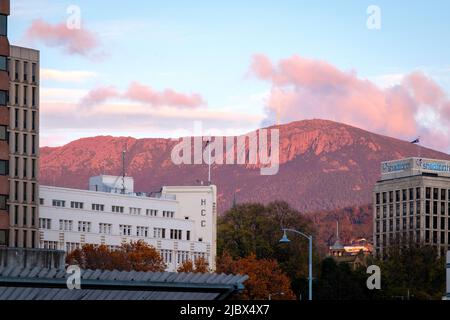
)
(123, 171)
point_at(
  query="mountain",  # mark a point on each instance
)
(324, 166)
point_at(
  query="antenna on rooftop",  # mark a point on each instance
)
(123, 171)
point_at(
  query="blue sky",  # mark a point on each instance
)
(206, 47)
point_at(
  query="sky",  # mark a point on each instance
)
(174, 68)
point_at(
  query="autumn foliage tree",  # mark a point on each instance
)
(200, 265)
(137, 256)
(266, 279)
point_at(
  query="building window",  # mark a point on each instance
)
(76, 205)
(105, 228)
(4, 168)
(159, 233)
(17, 65)
(65, 225)
(59, 203)
(33, 120)
(33, 72)
(33, 168)
(168, 214)
(3, 63)
(25, 96)
(152, 212)
(117, 209)
(84, 226)
(33, 97)
(3, 97)
(188, 235)
(125, 230)
(142, 232)
(3, 133)
(98, 207)
(45, 224)
(3, 237)
(25, 71)
(3, 25)
(175, 234)
(41, 201)
(135, 211)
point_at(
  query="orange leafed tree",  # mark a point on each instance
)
(266, 279)
(198, 266)
(137, 256)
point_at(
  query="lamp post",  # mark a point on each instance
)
(285, 239)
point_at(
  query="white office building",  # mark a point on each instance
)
(180, 222)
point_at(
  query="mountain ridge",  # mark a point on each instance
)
(324, 165)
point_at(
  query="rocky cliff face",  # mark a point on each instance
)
(324, 165)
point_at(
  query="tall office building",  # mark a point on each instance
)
(24, 147)
(412, 204)
(4, 123)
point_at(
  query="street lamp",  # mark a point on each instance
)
(285, 239)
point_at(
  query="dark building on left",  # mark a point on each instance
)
(4, 123)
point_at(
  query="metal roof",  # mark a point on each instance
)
(25, 293)
(47, 284)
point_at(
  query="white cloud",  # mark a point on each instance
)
(73, 76)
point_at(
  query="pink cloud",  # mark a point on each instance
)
(99, 95)
(73, 41)
(305, 88)
(143, 94)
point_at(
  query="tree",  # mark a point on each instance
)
(136, 256)
(256, 229)
(338, 281)
(266, 279)
(413, 271)
(198, 266)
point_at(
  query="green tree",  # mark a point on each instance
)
(253, 228)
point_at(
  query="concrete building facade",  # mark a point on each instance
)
(411, 203)
(4, 123)
(180, 222)
(24, 147)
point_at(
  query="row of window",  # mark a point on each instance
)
(114, 209)
(124, 230)
(386, 225)
(431, 237)
(24, 191)
(28, 239)
(412, 194)
(22, 68)
(414, 207)
(25, 172)
(28, 94)
(28, 216)
(25, 145)
(27, 124)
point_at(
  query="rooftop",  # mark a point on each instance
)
(50, 284)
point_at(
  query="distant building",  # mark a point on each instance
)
(354, 254)
(411, 204)
(180, 222)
